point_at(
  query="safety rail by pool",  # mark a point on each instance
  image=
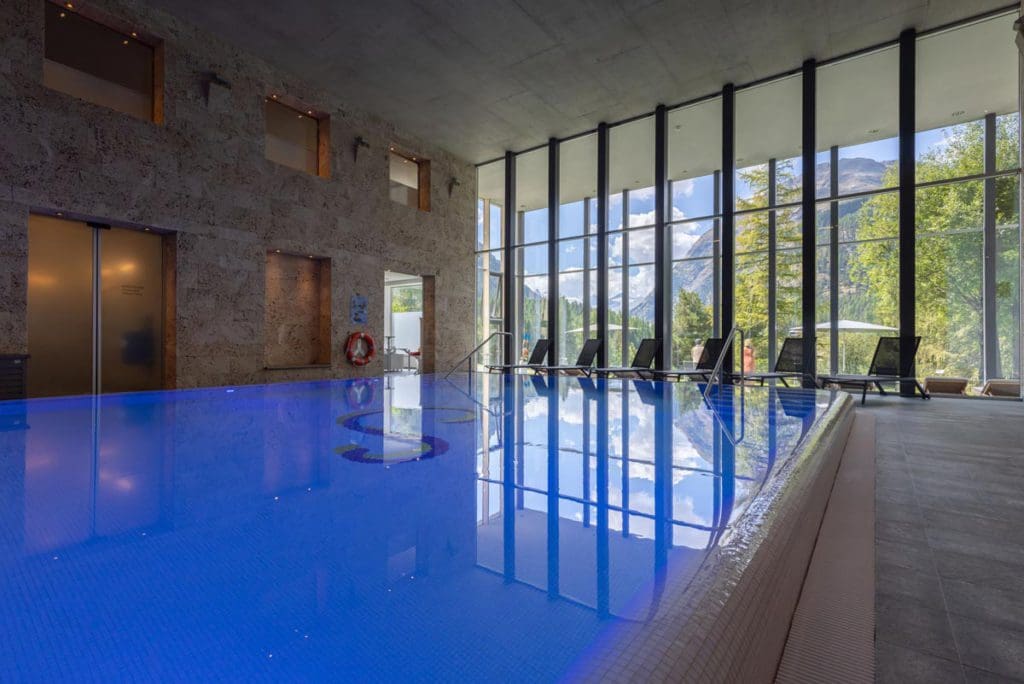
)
(726, 350)
(475, 349)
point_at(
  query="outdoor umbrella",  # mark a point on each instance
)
(846, 325)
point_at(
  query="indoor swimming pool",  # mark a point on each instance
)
(403, 528)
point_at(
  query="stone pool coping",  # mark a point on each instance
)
(730, 623)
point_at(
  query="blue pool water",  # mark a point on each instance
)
(488, 528)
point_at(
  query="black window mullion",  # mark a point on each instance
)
(716, 258)
(833, 267)
(624, 313)
(602, 243)
(553, 170)
(509, 216)
(728, 207)
(662, 242)
(587, 266)
(907, 241)
(809, 271)
(990, 366)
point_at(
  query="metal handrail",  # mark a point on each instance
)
(475, 349)
(726, 349)
(733, 439)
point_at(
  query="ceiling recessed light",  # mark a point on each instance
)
(273, 97)
(134, 34)
(63, 14)
(69, 5)
(310, 112)
(124, 42)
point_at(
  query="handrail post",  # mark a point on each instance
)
(473, 351)
(726, 347)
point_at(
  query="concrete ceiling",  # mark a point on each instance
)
(961, 76)
(478, 77)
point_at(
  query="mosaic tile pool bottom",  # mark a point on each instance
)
(407, 528)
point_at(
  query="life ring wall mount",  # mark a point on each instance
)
(360, 349)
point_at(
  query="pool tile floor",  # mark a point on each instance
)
(949, 540)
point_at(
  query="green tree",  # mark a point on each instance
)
(949, 257)
(405, 299)
(691, 323)
(752, 264)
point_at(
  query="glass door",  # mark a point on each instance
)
(60, 307)
(95, 308)
(131, 311)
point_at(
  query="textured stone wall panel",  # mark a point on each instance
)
(203, 174)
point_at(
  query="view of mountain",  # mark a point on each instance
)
(855, 175)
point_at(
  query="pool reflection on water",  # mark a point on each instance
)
(386, 529)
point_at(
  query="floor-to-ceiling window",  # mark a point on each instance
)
(967, 166)
(577, 249)
(531, 250)
(966, 232)
(767, 283)
(856, 182)
(490, 259)
(630, 238)
(694, 176)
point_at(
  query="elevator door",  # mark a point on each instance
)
(95, 309)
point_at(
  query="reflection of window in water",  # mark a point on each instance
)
(403, 414)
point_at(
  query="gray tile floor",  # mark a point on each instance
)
(949, 540)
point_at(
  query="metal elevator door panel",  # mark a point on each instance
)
(131, 311)
(60, 307)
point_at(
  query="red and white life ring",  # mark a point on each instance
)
(360, 348)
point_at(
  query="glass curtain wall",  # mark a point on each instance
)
(768, 223)
(967, 166)
(856, 183)
(531, 251)
(967, 219)
(695, 182)
(630, 238)
(490, 259)
(577, 248)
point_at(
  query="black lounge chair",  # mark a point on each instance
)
(534, 363)
(705, 364)
(583, 362)
(788, 365)
(885, 367)
(642, 360)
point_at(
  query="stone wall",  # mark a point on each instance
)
(295, 325)
(202, 174)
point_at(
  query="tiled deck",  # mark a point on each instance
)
(949, 540)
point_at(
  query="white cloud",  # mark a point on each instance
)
(684, 187)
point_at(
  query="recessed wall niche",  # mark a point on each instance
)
(119, 69)
(298, 311)
(297, 136)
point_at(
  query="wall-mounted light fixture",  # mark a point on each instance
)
(216, 91)
(359, 142)
(453, 183)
